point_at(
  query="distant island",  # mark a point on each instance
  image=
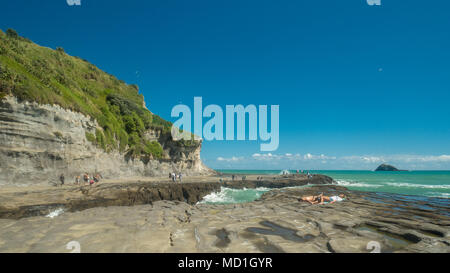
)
(387, 167)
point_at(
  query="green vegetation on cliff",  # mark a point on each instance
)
(39, 74)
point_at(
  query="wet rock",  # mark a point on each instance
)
(280, 182)
(351, 245)
(278, 222)
(24, 203)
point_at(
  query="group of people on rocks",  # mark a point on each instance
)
(233, 177)
(87, 179)
(174, 176)
(308, 174)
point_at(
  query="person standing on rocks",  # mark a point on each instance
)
(91, 180)
(179, 176)
(77, 180)
(61, 178)
(86, 178)
(97, 177)
(174, 177)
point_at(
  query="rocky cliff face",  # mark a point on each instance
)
(39, 142)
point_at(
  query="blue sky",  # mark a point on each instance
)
(357, 85)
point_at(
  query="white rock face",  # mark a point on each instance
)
(39, 142)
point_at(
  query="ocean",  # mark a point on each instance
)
(419, 183)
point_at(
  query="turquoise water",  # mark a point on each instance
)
(424, 183)
(233, 196)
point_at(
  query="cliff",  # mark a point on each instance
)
(61, 114)
(39, 142)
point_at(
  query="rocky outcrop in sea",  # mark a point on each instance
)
(386, 168)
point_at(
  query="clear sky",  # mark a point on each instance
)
(357, 85)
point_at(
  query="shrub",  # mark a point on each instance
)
(133, 139)
(100, 139)
(154, 148)
(2, 93)
(12, 33)
(139, 123)
(90, 137)
(135, 87)
(123, 140)
(130, 124)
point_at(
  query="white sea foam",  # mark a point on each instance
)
(438, 194)
(227, 195)
(411, 185)
(217, 197)
(356, 184)
(55, 213)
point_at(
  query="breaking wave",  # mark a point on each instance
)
(422, 186)
(55, 213)
(348, 183)
(232, 196)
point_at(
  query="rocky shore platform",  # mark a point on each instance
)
(277, 222)
(19, 202)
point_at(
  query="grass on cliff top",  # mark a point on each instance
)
(39, 74)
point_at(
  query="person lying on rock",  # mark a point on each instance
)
(312, 199)
(331, 199)
(323, 199)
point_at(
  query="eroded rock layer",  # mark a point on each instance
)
(39, 142)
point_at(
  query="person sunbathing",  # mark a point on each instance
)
(311, 199)
(331, 199)
(322, 199)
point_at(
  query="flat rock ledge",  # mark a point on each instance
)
(26, 203)
(276, 182)
(277, 222)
